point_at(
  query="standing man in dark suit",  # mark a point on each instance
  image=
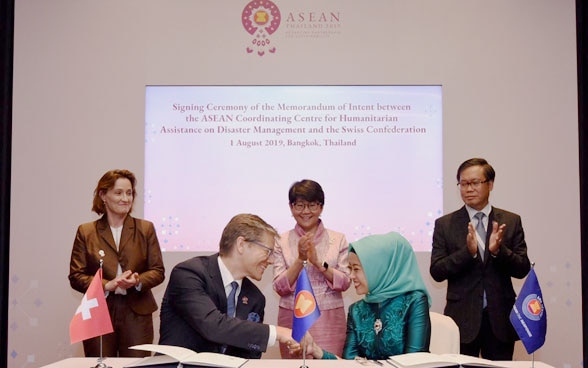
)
(196, 311)
(477, 249)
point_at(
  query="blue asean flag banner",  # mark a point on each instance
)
(528, 315)
(306, 310)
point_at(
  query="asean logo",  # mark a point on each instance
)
(533, 307)
(261, 18)
(304, 305)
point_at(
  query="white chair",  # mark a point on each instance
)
(444, 334)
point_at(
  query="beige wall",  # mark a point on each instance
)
(509, 94)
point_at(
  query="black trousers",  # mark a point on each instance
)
(487, 344)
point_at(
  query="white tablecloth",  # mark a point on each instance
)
(264, 363)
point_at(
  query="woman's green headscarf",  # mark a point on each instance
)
(390, 266)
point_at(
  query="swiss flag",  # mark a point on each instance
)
(92, 318)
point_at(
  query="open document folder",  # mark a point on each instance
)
(430, 360)
(182, 356)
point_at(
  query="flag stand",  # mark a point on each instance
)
(304, 355)
(529, 316)
(304, 345)
(308, 310)
(101, 363)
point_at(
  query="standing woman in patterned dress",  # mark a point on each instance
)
(326, 254)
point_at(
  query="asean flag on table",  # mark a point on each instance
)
(91, 318)
(528, 315)
(306, 310)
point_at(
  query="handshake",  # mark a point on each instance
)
(297, 349)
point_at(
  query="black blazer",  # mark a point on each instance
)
(468, 277)
(194, 307)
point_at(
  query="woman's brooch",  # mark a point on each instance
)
(378, 326)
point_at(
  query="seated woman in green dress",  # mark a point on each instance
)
(393, 316)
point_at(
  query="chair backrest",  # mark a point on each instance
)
(444, 334)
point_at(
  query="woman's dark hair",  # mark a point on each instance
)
(106, 183)
(308, 190)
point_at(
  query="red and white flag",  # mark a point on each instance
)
(92, 318)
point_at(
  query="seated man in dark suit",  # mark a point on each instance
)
(201, 312)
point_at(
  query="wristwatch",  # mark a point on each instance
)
(325, 266)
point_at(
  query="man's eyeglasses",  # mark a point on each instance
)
(269, 250)
(312, 206)
(474, 183)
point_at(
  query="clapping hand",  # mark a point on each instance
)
(124, 281)
(496, 238)
(305, 245)
(472, 240)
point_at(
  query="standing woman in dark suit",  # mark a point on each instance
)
(132, 265)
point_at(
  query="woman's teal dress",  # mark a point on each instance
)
(393, 317)
(405, 327)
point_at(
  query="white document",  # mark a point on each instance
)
(430, 360)
(177, 354)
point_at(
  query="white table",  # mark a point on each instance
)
(263, 363)
(89, 363)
